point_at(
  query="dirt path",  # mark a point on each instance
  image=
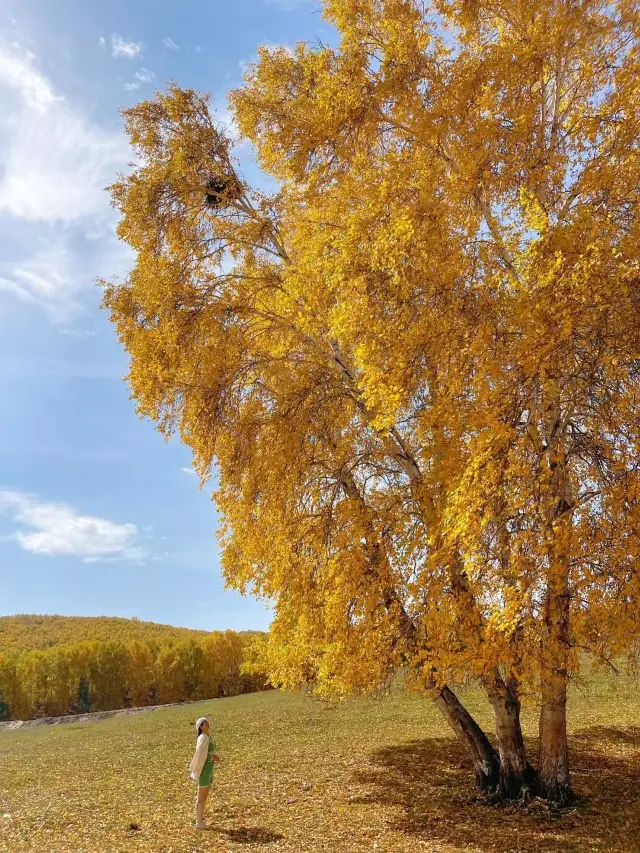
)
(84, 718)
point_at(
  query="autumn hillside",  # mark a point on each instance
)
(55, 665)
(27, 632)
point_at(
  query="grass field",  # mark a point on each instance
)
(300, 776)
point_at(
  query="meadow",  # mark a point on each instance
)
(298, 775)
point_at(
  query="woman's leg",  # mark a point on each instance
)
(201, 799)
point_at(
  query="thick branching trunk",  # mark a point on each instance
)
(485, 760)
(483, 756)
(517, 776)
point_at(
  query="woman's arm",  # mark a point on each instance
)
(199, 757)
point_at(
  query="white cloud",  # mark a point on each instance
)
(189, 471)
(59, 273)
(128, 49)
(77, 333)
(48, 280)
(59, 529)
(169, 42)
(56, 162)
(102, 42)
(142, 76)
(17, 72)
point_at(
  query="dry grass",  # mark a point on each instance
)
(299, 776)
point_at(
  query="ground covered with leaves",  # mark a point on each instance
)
(376, 775)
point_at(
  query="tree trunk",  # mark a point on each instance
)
(553, 766)
(485, 760)
(554, 782)
(486, 764)
(517, 776)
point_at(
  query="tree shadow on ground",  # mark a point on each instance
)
(430, 783)
(251, 835)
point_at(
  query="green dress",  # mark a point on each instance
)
(206, 776)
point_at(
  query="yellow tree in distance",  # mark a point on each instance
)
(417, 364)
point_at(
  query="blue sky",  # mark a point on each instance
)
(97, 514)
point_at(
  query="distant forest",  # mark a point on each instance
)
(56, 665)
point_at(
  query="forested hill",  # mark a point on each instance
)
(28, 632)
(56, 665)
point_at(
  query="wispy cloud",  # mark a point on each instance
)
(55, 161)
(58, 276)
(127, 49)
(77, 333)
(47, 280)
(59, 529)
(169, 42)
(142, 76)
(17, 72)
(189, 471)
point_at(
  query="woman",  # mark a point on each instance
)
(201, 768)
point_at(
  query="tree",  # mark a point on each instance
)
(109, 675)
(8, 685)
(415, 365)
(169, 676)
(141, 676)
(61, 681)
(32, 673)
(82, 703)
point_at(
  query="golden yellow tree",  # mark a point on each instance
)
(417, 365)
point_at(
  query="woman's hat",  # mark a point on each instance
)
(200, 721)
